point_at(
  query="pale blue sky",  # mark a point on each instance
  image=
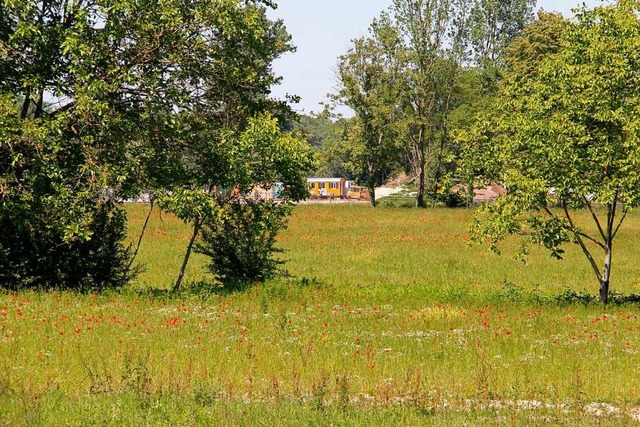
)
(322, 30)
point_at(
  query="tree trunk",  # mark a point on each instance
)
(196, 230)
(607, 234)
(372, 196)
(604, 279)
(39, 104)
(144, 229)
(443, 141)
(436, 175)
(26, 104)
(420, 202)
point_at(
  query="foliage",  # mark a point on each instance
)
(242, 246)
(115, 98)
(247, 159)
(60, 227)
(540, 39)
(434, 38)
(438, 63)
(369, 78)
(33, 255)
(567, 134)
(422, 80)
(494, 24)
(316, 127)
(326, 137)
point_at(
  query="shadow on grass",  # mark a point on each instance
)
(516, 294)
(209, 288)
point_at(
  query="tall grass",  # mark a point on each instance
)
(425, 254)
(390, 318)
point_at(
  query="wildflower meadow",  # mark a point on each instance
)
(386, 317)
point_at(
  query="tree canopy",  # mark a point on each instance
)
(370, 84)
(566, 133)
(103, 99)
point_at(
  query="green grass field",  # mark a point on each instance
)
(389, 318)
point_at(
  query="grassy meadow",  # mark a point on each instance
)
(388, 317)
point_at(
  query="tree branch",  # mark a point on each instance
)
(594, 265)
(586, 236)
(624, 215)
(586, 251)
(595, 217)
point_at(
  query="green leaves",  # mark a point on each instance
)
(106, 99)
(242, 245)
(371, 84)
(566, 132)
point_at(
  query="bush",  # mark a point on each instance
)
(449, 200)
(452, 200)
(397, 201)
(35, 255)
(242, 246)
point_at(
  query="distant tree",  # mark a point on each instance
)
(335, 155)
(494, 24)
(326, 136)
(434, 35)
(316, 128)
(434, 44)
(479, 86)
(370, 84)
(567, 133)
(539, 40)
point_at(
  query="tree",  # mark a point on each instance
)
(434, 39)
(61, 226)
(228, 140)
(325, 134)
(521, 56)
(120, 96)
(370, 85)
(431, 50)
(494, 24)
(258, 154)
(334, 157)
(567, 133)
(240, 238)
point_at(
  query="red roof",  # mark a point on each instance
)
(488, 193)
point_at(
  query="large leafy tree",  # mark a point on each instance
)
(567, 133)
(257, 154)
(102, 98)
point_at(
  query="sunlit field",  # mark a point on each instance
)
(389, 317)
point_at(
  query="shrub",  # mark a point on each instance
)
(36, 255)
(242, 246)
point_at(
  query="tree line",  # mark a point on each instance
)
(424, 70)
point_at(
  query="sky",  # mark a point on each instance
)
(322, 30)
